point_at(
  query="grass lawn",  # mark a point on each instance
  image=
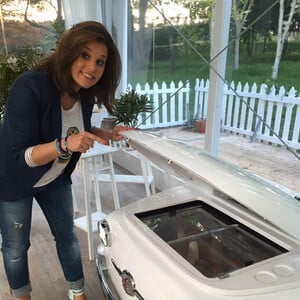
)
(252, 70)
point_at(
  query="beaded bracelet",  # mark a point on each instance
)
(61, 152)
(61, 148)
(66, 144)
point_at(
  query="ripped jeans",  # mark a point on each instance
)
(55, 201)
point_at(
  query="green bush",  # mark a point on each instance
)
(13, 66)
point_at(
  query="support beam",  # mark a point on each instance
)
(220, 33)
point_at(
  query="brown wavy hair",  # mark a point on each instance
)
(58, 64)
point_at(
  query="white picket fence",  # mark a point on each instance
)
(171, 105)
(261, 113)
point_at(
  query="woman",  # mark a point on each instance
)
(47, 126)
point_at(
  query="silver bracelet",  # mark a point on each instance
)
(28, 158)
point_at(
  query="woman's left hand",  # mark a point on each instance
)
(114, 135)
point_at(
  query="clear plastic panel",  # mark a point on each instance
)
(211, 241)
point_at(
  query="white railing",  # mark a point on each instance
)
(244, 109)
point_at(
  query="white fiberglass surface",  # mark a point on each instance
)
(238, 184)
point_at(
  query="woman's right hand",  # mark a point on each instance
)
(82, 141)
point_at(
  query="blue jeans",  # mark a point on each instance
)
(55, 201)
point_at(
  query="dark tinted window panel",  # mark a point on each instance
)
(211, 241)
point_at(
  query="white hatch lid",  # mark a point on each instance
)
(194, 164)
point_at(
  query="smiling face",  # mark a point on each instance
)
(89, 67)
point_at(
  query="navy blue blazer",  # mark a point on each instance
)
(33, 116)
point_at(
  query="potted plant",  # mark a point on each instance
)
(200, 125)
(129, 106)
(200, 121)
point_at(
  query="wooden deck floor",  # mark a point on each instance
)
(46, 275)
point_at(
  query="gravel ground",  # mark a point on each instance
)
(268, 161)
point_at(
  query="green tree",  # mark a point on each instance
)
(24, 56)
(284, 23)
(138, 37)
(13, 66)
(58, 25)
(240, 12)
